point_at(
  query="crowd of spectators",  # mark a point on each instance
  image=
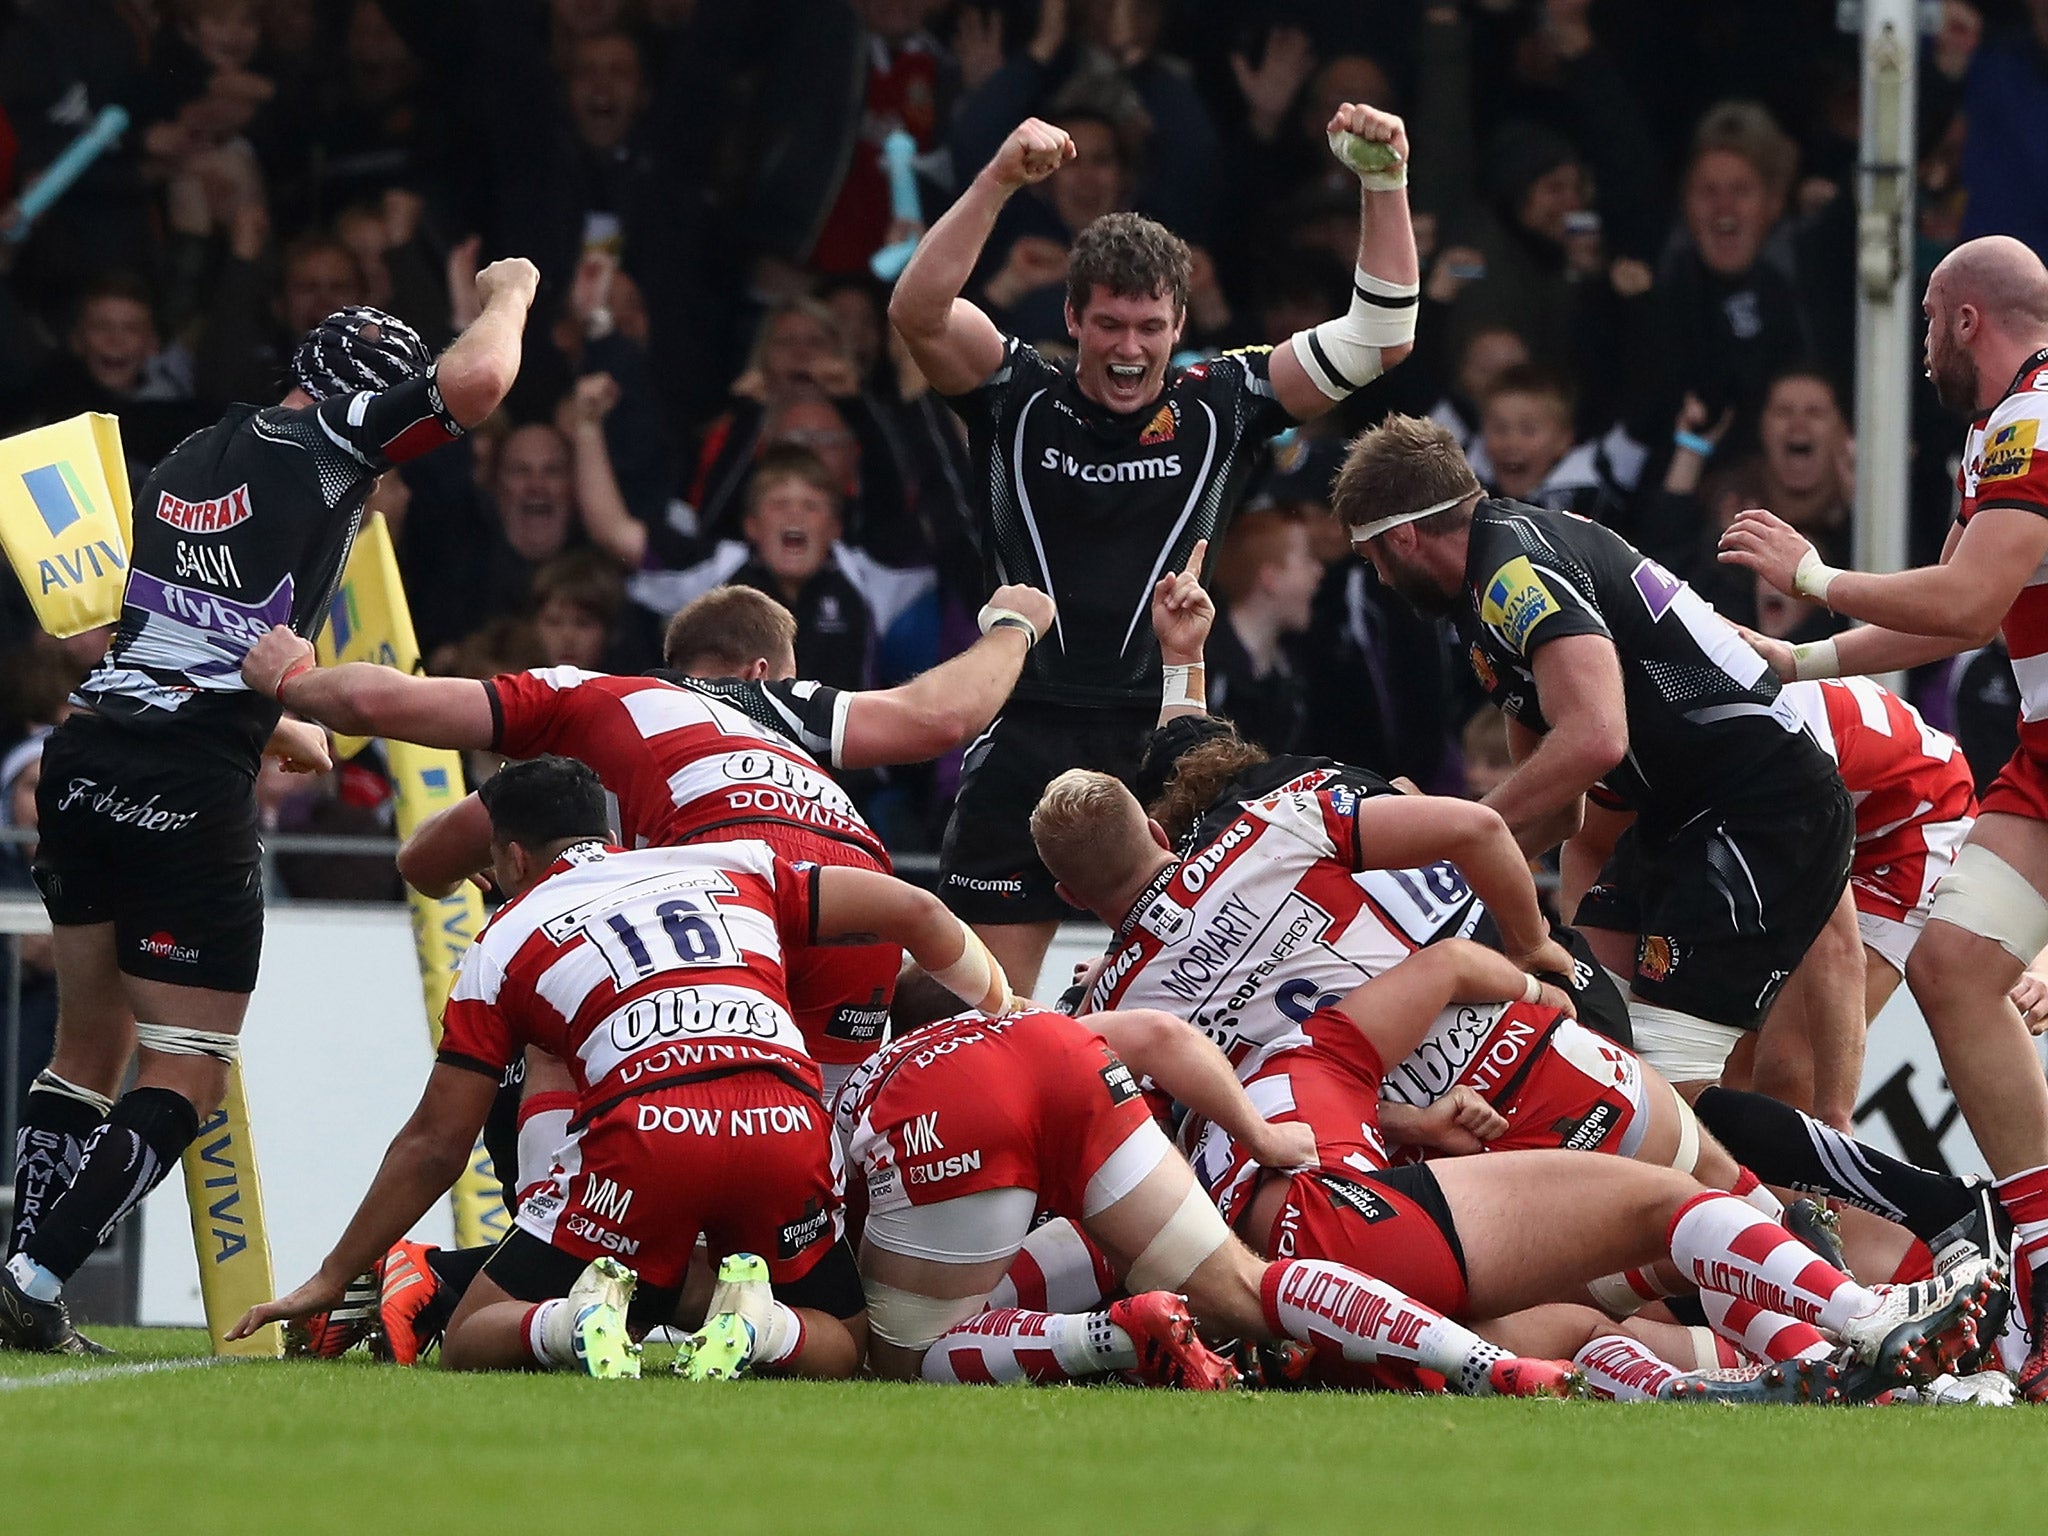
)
(1637, 225)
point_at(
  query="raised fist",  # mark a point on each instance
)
(513, 277)
(1032, 152)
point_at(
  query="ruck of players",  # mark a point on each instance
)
(1346, 1101)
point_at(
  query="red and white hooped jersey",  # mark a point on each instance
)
(1251, 934)
(640, 969)
(2005, 465)
(680, 764)
(1911, 783)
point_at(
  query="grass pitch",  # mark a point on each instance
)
(157, 1442)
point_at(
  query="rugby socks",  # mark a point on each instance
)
(1627, 1293)
(1722, 1244)
(549, 1332)
(56, 1119)
(1789, 1147)
(780, 1339)
(1624, 1370)
(126, 1157)
(1325, 1304)
(1749, 1187)
(1770, 1336)
(2025, 1198)
(1011, 1344)
(1057, 1270)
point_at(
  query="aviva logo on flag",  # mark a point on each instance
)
(342, 617)
(64, 520)
(62, 501)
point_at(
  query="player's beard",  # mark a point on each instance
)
(1415, 587)
(1954, 373)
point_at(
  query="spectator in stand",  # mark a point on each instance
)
(1486, 355)
(1023, 271)
(1266, 579)
(113, 362)
(1484, 747)
(255, 321)
(1526, 431)
(577, 601)
(1721, 321)
(475, 555)
(2005, 157)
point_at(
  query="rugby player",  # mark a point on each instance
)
(657, 976)
(1484, 1236)
(1616, 675)
(1987, 353)
(149, 861)
(1102, 475)
(719, 746)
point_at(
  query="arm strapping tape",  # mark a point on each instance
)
(1180, 686)
(976, 976)
(1342, 356)
(174, 1040)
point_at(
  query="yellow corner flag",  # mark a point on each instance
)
(228, 1234)
(370, 621)
(64, 520)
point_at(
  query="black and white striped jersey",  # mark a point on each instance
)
(811, 714)
(1706, 724)
(1094, 507)
(244, 526)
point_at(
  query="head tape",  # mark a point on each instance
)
(358, 348)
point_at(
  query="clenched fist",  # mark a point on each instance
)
(1032, 152)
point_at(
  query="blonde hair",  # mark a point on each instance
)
(1089, 830)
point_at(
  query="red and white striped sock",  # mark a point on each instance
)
(1627, 1293)
(2025, 1198)
(543, 1127)
(1622, 1369)
(1749, 1187)
(1318, 1302)
(1768, 1335)
(1723, 1244)
(1011, 1344)
(1056, 1270)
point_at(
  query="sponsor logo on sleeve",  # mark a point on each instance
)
(215, 515)
(2008, 452)
(814, 1224)
(1657, 587)
(1116, 1077)
(1516, 601)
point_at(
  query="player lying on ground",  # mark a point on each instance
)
(149, 861)
(1479, 1237)
(657, 976)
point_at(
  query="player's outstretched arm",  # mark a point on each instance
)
(1394, 1011)
(1961, 601)
(1586, 853)
(362, 699)
(1459, 1123)
(858, 906)
(477, 371)
(447, 848)
(423, 1162)
(955, 345)
(953, 703)
(1187, 1064)
(1578, 678)
(1408, 831)
(1183, 613)
(1322, 366)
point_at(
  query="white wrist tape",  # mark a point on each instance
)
(990, 616)
(1374, 161)
(976, 976)
(1812, 577)
(1342, 356)
(1815, 659)
(1180, 686)
(1532, 990)
(172, 1040)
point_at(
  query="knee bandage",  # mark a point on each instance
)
(910, 1321)
(1687, 1157)
(1342, 356)
(1984, 895)
(1191, 1234)
(174, 1040)
(1681, 1046)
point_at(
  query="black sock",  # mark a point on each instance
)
(454, 1268)
(55, 1122)
(125, 1158)
(1785, 1146)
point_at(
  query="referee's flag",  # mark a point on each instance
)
(64, 520)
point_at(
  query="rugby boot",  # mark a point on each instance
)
(329, 1335)
(734, 1322)
(600, 1299)
(406, 1287)
(1984, 1231)
(1169, 1352)
(1786, 1381)
(1818, 1227)
(1514, 1376)
(1273, 1365)
(1920, 1331)
(1980, 1389)
(39, 1327)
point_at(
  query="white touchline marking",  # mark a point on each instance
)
(105, 1373)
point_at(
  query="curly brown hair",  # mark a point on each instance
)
(1131, 256)
(1199, 778)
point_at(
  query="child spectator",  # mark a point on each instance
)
(577, 598)
(1266, 575)
(1526, 428)
(1485, 748)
